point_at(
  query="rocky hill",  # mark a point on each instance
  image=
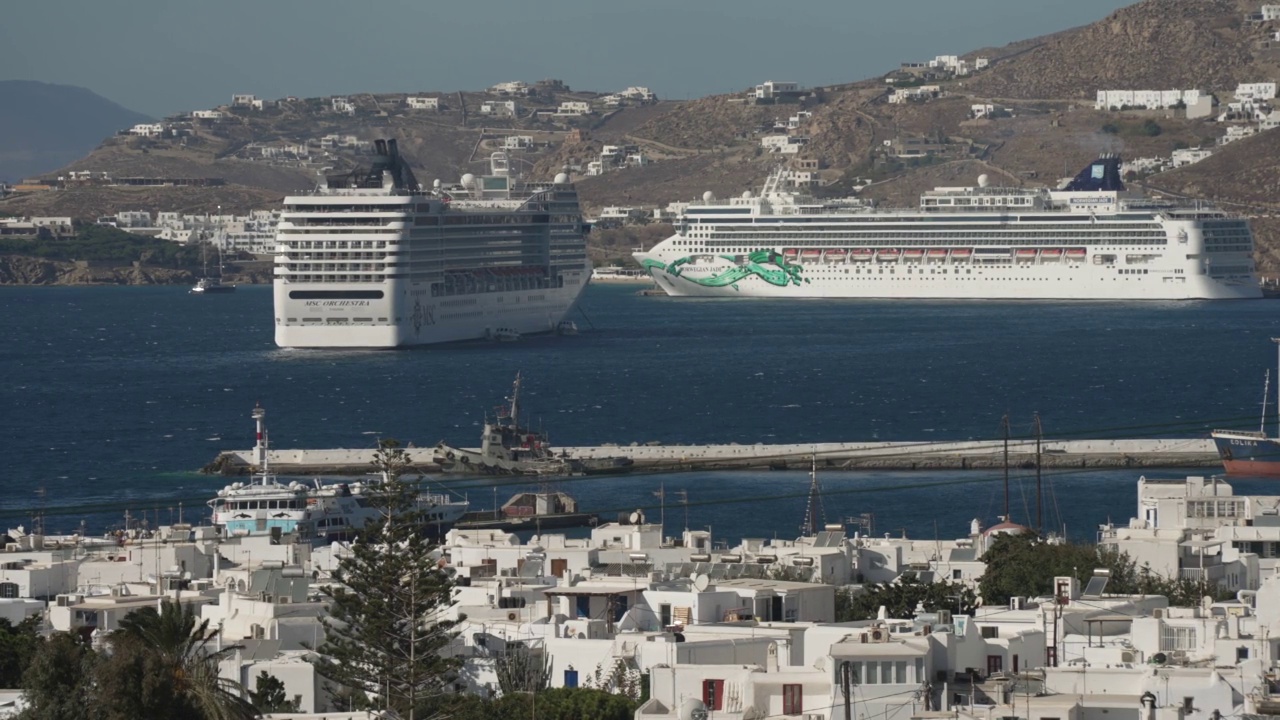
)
(43, 126)
(1043, 127)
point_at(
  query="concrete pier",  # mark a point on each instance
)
(983, 454)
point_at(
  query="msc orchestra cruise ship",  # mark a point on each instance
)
(373, 260)
(1086, 241)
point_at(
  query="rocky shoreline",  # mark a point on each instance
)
(24, 270)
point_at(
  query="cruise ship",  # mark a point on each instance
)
(1088, 241)
(374, 260)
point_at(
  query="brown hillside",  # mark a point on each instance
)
(92, 203)
(1156, 44)
(1245, 174)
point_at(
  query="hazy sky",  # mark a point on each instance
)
(162, 56)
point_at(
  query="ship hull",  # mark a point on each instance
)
(1050, 281)
(1254, 456)
(401, 320)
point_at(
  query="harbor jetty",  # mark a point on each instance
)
(959, 455)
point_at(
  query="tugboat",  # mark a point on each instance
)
(507, 448)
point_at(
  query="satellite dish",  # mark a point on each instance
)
(1159, 658)
(693, 709)
(635, 518)
(701, 582)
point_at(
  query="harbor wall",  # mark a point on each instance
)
(977, 454)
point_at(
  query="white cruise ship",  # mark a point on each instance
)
(373, 260)
(1087, 241)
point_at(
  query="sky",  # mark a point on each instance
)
(164, 56)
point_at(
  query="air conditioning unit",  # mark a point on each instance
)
(1158, 613)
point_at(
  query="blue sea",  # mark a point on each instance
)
(114, 397)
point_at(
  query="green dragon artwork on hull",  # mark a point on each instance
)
(767, 265)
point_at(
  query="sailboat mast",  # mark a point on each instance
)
(1266, 392)
(1039, 503)
(1277, 342)
(1004, 423)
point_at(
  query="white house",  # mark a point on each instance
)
(771, 89)
(785, 144)
(499, 108)
(517, 142)
(1270, 13)
(147, 129)
(423, 103)
(206, 114)
(574, 107)
(981, 110)
(243, 100)
(1147, 99)
(344, 106)
(514, 87)
(1256, 91)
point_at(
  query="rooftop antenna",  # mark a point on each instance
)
(661, 494)
(814, 505)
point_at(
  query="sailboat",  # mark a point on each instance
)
(210, 285)
(1245, 452)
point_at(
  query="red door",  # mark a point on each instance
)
(995, 664)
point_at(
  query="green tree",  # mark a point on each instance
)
(901, 598)
(163, 666)
(18, 645)
(269, 697)
(58, 684)
(384, 632)
(520, 670)
(1025, 566)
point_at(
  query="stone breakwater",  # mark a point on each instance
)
(1167, 453)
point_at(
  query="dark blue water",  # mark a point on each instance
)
(111, 397)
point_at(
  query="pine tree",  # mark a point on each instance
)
(383, 633)
(269, 696)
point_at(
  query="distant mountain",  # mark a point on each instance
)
(44, 127)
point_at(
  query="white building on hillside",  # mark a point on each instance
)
(574, 107)
(771, 90)
(499, 108)
(1146, 99)
(343, 106)
(423, 103)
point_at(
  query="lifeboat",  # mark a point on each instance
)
(860, 254)
(1051, 252)
(1026, 253)
(790, 253)
(887, 254)
(913, 253)
(833, 256)
(811, 253)
(1077, 253)
(961, 252)
(937, 253)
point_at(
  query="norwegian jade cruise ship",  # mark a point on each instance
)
(374, 260)
(1088, 241)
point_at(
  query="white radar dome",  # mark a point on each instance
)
(746, 194)
(562, 178)
(468, 180)
(984, 180)
(708, 196)
(436, 183)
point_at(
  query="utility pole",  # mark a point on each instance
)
(683, 496)
(846, 689)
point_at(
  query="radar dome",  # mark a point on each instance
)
(562, 178)
(984, 180)
(746, 194)
(692, 709)
(708, 196)
(436, 183)
(468, 180)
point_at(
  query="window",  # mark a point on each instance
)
(1177, 638)
(900, 672)
(664, 614)
(886, 670)
(919, 670)
(792, 699)
(713, 694)
(990, 632)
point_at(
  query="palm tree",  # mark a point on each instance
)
(179, 643)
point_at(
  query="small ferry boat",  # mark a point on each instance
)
(313, 511)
